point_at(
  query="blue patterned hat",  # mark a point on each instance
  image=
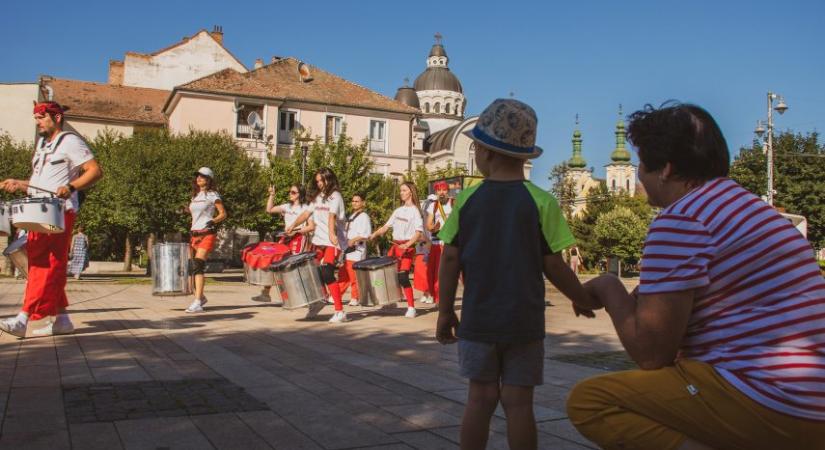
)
(508, 126)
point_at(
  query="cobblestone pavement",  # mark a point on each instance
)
(139, 373)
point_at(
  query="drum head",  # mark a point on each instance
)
(374, 263)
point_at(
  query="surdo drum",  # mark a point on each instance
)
(301, 280)
(40, 214)
(377, 280)
(5, 219)
(16, 252)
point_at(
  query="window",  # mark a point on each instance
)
(458, 107)
(246, 115)
(427, 107)
(627, 183)
(437, 108)
(335, 126)
(286, 125)
(378, 136)
(614, 185)
(447, 108)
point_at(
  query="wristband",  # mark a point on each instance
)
(71, 188)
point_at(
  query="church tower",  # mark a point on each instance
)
(621, 173)
(440, 94)
(578, 172)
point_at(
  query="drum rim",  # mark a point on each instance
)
(388, 259)
(18, 201)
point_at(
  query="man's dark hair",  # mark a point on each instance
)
(684, 135)
(360, 194)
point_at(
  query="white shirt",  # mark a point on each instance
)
(202, 208)
(54, 167)
(291, 212)
(321, 208)
(438, 219)
(361, 226)
(405, 221)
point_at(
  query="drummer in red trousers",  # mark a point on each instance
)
(407, 226)
(63, 164)
(437, 213)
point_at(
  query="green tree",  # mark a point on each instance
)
(599, 202)
(563, 188)
(620, 232)
(15, 161)
(799, 162)
(422, 176)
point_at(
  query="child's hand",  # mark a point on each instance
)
(445, 328)
(583, 312)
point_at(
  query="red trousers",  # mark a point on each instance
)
(405, 260)
(48, 258)
(420, 279)
(327, 255)
(433, 264)
(346, 278)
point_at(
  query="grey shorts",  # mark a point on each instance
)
(519, 364)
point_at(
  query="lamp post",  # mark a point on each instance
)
(304, 143)
(780, 107)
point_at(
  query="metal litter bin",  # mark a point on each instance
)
(170, 269)
(377, 280)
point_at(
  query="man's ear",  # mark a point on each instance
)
(667, 171)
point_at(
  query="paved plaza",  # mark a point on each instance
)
(139, 373)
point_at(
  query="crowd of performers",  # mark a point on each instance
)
(320, 224)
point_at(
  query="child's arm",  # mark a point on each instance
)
(448, 282)
(568, 283)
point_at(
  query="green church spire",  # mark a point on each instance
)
(577, 161)
(620, 154)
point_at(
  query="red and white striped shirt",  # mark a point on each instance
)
(759, 308)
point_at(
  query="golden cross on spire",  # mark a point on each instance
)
(406, 81)
(577, 119)
(438, 38)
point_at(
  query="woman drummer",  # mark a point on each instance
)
(296, 240)
(407, 225)
(328, 214)
(203, 206)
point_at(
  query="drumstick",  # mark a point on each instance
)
(43, 190)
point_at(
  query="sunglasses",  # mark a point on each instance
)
(293, 192)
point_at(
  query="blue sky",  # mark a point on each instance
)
(563, 58)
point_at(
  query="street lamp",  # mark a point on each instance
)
(304, 143)
(780, 107)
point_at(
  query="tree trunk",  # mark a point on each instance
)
(150, 252)
(127, 258)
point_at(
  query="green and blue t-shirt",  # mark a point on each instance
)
(502, 230)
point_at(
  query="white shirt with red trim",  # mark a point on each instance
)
(321, 208)
(759, 307)
(291, 212)
(53, 167)
(437, 216)
(405, 221)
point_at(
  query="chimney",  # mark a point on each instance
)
(217, 34)
(259, 63)
(115, 72)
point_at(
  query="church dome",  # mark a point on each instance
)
(407, 96)
(438, 79)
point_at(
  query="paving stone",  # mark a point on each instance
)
(332, 429)
(423, 416)
(35, 440)
(564, 429)
(276, 431)
(177, 433)
(227, 431)
(426, 440)
(95, 436)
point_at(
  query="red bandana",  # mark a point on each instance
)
(440, 185)
(48, 108)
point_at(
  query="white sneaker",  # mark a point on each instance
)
(314, 309)
(329, 300)
(354, 302)
(338, 317)
(410, 312)
(196, 306)
(58, 326)
(13, 327)
(427, 299)
(264, 298)
(278, 303)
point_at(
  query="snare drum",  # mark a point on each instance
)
(16, 252)
(301, 280)
(170, 269)
(258, 257)
(40, 214)
(5, 219)
(378, 281)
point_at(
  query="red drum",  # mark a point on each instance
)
(258, 257)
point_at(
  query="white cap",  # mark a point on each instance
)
(432, 197)
(206, 172)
